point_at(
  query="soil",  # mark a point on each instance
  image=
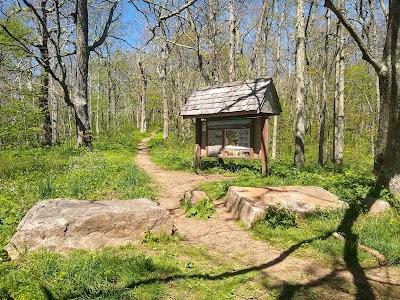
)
(223, 236)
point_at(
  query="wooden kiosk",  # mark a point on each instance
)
(232, 119)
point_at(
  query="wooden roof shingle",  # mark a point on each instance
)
(249, 97)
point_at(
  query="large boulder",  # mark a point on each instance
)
(64, 224)
(249, 204)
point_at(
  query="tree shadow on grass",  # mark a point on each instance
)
(230, 165)
(288, 291)
(350, 256)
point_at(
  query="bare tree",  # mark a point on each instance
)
(300, 124)
(338, 136)
(277, 76)
(387, 155)
(79, 101)
(143, 124)
(232, 40)
(324, 90)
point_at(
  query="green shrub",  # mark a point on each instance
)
(202, 209)
(276, 216)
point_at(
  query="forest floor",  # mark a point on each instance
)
(223, 236)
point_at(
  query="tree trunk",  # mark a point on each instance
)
(277, 76)
(387, 155)
(109, 96)
(257, 38)
(80, 101)
(324, 91)
(44, 90)
(387, 158)
(212, 19)
(338, 139)
(54, 115)
(44, 106)
(232, 41)
(300, 125)
(98, 100)
(143, 125)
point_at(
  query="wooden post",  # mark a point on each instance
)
(264, 145)
(198, 145)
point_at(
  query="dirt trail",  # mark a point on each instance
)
(220, 234)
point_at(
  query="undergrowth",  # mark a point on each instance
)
(157, 269)
(30, 175)
(350, 182)
(202, 209)
(279, 217)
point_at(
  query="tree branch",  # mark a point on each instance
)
(103, 37)
(178, 11)
(367, 55)
(385, 10)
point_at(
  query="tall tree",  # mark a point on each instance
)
(80, 100)
(44, 93)
(338, 136)
(277, 76)
(212, 37)
(387, 155)
(232, 41)
(258, 40)
(143, 124)
(300, 124)
(58, 71)
(324, 90)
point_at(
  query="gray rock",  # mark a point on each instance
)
(249, 204)
(195, 195)
(62, 225)
(376, 206)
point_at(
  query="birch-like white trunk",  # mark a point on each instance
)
(338, 145)
(143, 124)
(300, 125)
(324, 91)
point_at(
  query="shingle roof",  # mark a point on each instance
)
(245, 98)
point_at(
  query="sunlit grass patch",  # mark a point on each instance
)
(30, 175)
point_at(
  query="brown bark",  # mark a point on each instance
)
(381, 259)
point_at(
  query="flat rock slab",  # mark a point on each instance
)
(249, 204)
(62, 225)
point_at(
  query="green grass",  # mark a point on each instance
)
(350, 183)
(167, 267)
(30, 175)
(156, 270)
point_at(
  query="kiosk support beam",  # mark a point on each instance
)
(198, 144)
(264, 145)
